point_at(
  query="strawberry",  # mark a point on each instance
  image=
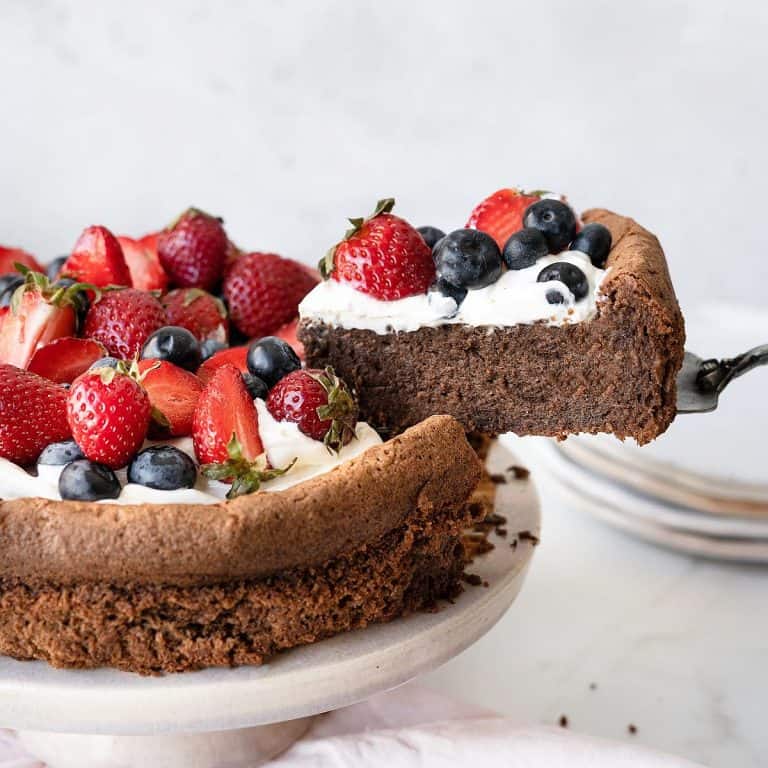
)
(193, 250)
(97, 258)
(233, 356)
(288, 334)
(108, 412)
(147, 273)
(173, 394)
(9, 257)
(319, 402)
(382, 256)
(501, 214)
(263, 291)
(199, 312)
(39, 313)
(122, 320)
(32, 414)
(64, 359)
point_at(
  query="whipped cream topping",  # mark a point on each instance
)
(515, 298)
(282, 440)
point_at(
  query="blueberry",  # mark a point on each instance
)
(255, 386)
(431, 235)
(105, 362)
(81, 302)
(555, 220)
(174, 344)
(455, 292)
(8, 284)
(468, 258)
(54, 267)
(61, 453)
(594, 240)
(210, 347)
(566, 273)
(85, 480)
(163, 467)
(525, 248)
(271, 358)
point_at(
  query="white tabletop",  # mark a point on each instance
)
(675, 645)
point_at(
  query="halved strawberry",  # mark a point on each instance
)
(233, 356)
(173, 393)
(288, 334)
(147, 274)
(64, 359)
(9, 257)
(501, 214)
(97, 258)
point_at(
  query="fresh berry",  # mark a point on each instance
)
(32, 414)
(255, 386)
(524, 248)
(10, 257)
(60, 453)
(123, 320)
(53, 269)
(210, 347)
(289, 334)
(174, 344)
(555, 220)
(193, 250)
(108, 413)
(173, 394)
(271, 358)
(64, 359)
(105, 362)
(236, 356)
(263, 291)
(501, 214)
(444, 288)
(199, 312)
(84, 480)
(382, 256)
(431, 235)
(147, 273)
(594, 240)
(97, 258)
(468, 258)
(568, 274)
(164, 468)
(8, 284)
(319, 403)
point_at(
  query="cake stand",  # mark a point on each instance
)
(233, 718)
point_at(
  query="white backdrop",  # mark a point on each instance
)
(285, 118)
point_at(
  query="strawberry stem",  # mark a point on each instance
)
(341, 410)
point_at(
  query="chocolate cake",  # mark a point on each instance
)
(614, 372)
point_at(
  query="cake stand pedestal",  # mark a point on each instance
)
(240, 718)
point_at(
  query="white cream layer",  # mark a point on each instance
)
(515, 298)
(283, 441)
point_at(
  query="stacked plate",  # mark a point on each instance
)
(703, 486)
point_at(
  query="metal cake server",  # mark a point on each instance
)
(700, 382)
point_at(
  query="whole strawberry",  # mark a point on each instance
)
(108, 413)
(501, 214)
(33, 414)
(319, 402)
(97, 258)
(193, 250)
(382, 256)
(199, 312)
(123, 320)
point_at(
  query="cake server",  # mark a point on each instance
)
(700, 382)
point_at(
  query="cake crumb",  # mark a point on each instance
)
(486, 584)
(498, 479)
(593, 686)
(520, 473)
(513, 544)
(563, 721)
(528, 536)
(472, 579)
(632, 728)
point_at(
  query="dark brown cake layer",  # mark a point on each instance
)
(614, 373)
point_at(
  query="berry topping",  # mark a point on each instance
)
(143, 263)
(32, 414)
(53, 269)
(568, 274)
(123, 320)
(255, 386)
(431, 235)
(319, 403)
(173, 394)
(263, 291)
(201, 313)
(97, 258)
(210, 347)
(108, 413)
(175, 345)
(468, 258)
(61, 453)
(64, 359)
(524, 248)
(501, 214)
(193, 250)
(84, 480)
(164, 468)
(382, 256)
(10, 257)
(594, 240)
(444, 288)
(555, 220)
(270, 359)
(8, 284)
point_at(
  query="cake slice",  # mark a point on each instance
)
(516, 356)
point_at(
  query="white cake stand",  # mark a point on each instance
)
(243, 717)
